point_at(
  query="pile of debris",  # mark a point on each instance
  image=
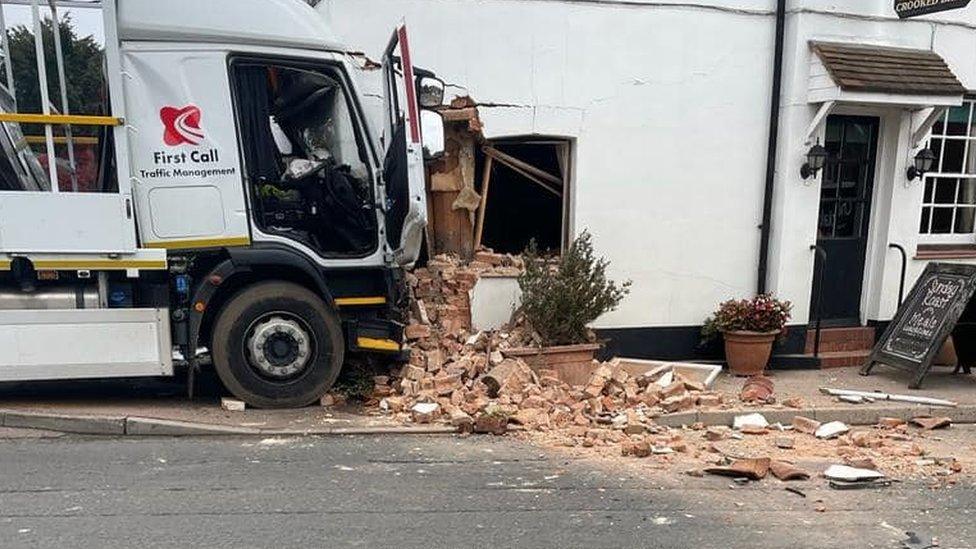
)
(461, 377)
(467, 379)
(441, 297)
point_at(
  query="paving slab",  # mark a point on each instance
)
(146, 426)
(8, 433)
(66, 422)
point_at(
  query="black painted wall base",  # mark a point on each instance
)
(794, 362)
(879, 327)
(683, 343)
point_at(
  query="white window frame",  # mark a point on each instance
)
(968, 137)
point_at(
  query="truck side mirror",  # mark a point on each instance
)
(432, 131)
(430, 92)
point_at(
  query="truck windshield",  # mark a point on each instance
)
(304, 157)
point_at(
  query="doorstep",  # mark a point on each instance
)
(841, 347)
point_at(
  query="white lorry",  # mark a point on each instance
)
(244, 208)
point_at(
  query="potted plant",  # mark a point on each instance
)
(560, 298)
(749, 327)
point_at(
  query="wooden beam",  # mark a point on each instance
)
(533, 179)
(522, 165)
(526, 170)
(485, 183)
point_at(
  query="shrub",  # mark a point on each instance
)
(355, 381)
(561, 297)
(763, 313)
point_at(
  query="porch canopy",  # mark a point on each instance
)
(845, 73)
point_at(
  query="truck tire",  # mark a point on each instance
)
(277, 345)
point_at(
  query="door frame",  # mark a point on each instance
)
(886, 152)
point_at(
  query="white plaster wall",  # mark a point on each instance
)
(668, 103)
(669, 108)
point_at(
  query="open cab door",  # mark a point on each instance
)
(403, 167)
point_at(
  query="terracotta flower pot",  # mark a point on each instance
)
(573, 364)
(748, 352)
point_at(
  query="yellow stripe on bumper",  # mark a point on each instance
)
(359, 301)
(92, 264)
(99, 264)
(377, 344)
(201, 243)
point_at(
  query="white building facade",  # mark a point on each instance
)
(668, 107)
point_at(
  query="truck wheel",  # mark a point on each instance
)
(277, 345)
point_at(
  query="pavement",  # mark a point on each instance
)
(423, 492)
(145, 407)
(940, 383)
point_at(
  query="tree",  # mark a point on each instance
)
(83, 68)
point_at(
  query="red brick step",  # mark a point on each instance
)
(841, 339)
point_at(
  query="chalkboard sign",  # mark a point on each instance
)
(913, 8)
(925, 320)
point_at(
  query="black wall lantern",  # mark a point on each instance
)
(923, 163)
(816, 158)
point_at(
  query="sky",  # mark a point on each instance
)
(87, 21)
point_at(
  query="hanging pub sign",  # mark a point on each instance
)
(925, 320)
(913, 8)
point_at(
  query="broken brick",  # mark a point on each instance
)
(805, 425)
(425, 412)
(864, 439)
(416, 331)
(674, 389)
(413, 373)
(447, 384)
(793, 402)
(678, 403)
(784, 470)
(929, 423)
(890, 422)
(716, 433)
(785, 443)
(463, 421)
(709, 400)
(639, 449)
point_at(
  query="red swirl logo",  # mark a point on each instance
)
(181, 126)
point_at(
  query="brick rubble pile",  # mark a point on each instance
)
(464, 379)
(467, 375)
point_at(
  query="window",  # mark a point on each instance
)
(949, 202)
(306, 161)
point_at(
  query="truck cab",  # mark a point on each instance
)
(253, 214)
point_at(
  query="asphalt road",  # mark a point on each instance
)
(423, 492)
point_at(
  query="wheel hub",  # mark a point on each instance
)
(279, 347)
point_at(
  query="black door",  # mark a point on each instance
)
(845, 207)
